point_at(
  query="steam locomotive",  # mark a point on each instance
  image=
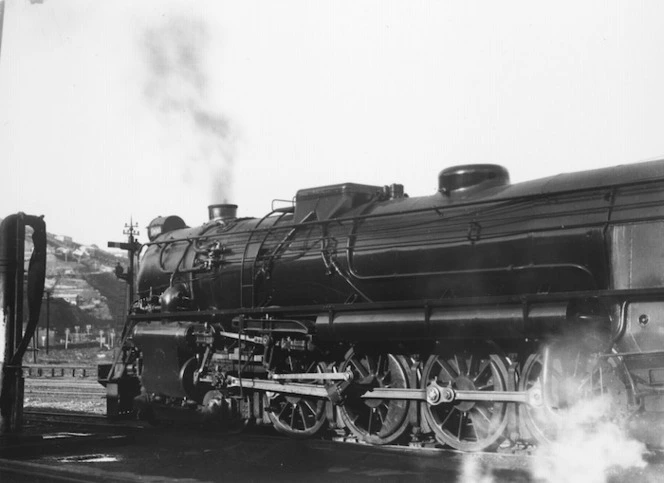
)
(481, 312)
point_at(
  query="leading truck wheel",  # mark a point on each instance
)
(376, 421)
(467, 425)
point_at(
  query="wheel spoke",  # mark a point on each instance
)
(449, 415)
(576, 363)
(359, 367)
(489, 385)
(458, 365)
(311, 409)
(486, 364)
(474, 426)
(481, 424)
(304, 420)
(481, 411)
(461, 420)
(380, 410)
(448, 369)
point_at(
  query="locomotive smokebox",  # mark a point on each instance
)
(222, 212)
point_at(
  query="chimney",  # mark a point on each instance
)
(222, 212)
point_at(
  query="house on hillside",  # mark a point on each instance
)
(65, 240)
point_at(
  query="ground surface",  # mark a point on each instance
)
(149, 454)
(85, 452)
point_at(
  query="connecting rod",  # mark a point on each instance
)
(433, 394)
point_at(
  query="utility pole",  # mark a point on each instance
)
(133, 247)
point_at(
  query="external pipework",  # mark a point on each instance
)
(223, 212)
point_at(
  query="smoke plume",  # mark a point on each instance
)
(177, 89)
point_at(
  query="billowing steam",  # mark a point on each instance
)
(177, 88)
(590, 447)
(474, 471)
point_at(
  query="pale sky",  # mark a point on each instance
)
(110, 110)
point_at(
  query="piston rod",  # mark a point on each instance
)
(323, 376)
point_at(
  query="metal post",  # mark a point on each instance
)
(35, 345)
(8, 268)
(48, 317)
(133, 247)
(130, 230)
(17, 399)
(131, 266)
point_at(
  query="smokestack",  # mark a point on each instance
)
(222, 212)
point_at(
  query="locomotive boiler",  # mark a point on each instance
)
(481, 312)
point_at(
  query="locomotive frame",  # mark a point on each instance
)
(477, 314)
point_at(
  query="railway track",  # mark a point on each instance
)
(59, 370)
(61, 417)
(81, 419)
(63, 387)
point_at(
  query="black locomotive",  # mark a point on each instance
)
(484, 310)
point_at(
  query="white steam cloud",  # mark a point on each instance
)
(177, 89)
(473, 471)
(591, 446)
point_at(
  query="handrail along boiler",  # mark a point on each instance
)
(452, 318)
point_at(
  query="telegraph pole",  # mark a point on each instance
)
(133, 247)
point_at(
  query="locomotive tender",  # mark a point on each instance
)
(481, 312)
